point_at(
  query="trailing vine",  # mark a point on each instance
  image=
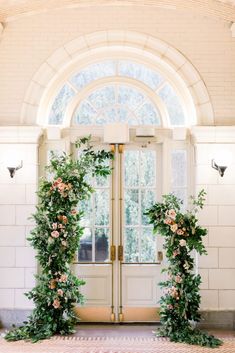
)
(56, 240)
(181, 300)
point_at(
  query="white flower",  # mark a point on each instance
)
(182, 242)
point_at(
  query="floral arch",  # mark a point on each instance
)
(117, 76)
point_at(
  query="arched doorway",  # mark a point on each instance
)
(107, 89)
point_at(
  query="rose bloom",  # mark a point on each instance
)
(73, 212)
(170, 306)
(54, 225)
(60, 292)
(175, 253)
(64, 243)
(174, 227)
(172, 214)
(63, 278)
(64, 219)
(180, 232)
(55, 234)
(59, 180)
(52, 284)
(182, 242)
(60, 226)
(56, 303)
(167, 221)
(178, 279)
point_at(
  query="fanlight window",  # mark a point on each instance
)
(144, 97)
(117, 104)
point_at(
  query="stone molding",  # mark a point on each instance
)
(20, 134)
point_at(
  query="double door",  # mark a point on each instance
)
(119, 257)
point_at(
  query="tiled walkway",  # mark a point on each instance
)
(115, 339)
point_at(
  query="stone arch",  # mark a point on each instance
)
(53, 69)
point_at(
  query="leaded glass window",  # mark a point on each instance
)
(111, 102)
(116, 103)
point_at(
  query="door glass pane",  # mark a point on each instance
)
(148, 168)
(85, 249)
(101, 244)
(147, 200)
(86, 207)
(131, 168)
(148, 245)
(131, 207)
(131, 241)
(102, 207)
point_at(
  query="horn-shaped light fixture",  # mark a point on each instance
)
(12, 170)
(221, 168)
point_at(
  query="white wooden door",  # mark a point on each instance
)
(119, 257)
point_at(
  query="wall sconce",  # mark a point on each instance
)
(12, 170)
(221, 168)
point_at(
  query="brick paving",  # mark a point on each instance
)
(114, 344)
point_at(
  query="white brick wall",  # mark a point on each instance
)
(17, 203)
(218, 267)
(29, 41)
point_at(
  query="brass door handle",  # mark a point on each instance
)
(159, 256)
(120, 252)
(112, 252)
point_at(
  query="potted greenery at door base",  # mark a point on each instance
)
(181, 300)
(56, 240)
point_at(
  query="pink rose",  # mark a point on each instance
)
(60, 292)
(172, 213)
(174, 227)
(175, 253)
(167, 221)
(54, 225)
(55, 234)
(56, 303)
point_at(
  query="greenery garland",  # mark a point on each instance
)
(56, 239)
(181, 300)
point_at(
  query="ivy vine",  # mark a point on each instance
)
(56, 240)
(179, 306)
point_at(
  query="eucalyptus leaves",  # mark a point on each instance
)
(56, 239)
(181, 300)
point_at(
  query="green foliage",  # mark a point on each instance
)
(56, 240)
(181, 301)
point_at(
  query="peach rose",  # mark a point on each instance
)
(63, 278)
(178, 279)
(52, 284)
(167, 221)
(60, 292)
(182, 242)
(180, 232)
(174, 227)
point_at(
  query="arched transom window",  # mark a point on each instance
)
(119, 91)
